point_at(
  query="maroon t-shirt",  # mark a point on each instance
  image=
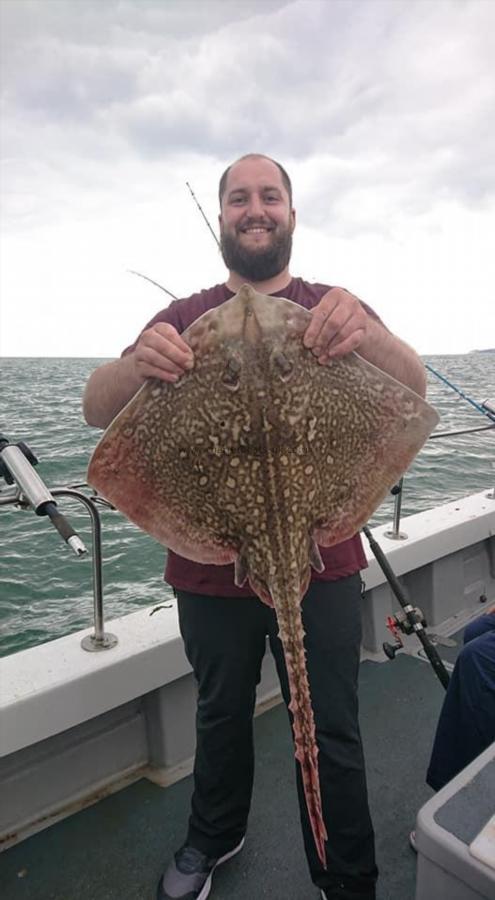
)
(340, 560)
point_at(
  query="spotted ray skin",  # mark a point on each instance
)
(258, 455)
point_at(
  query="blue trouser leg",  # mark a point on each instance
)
(467, 719)
(479, 626)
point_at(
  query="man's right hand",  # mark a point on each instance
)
(161, 353)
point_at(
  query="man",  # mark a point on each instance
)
(225, 627)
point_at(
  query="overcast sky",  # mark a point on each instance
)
(383, 112)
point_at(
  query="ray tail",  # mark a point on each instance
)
(291, 634)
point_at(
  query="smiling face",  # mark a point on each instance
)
(256, 220)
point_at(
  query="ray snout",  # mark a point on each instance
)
(252, 332)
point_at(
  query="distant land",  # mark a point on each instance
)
(490, 350)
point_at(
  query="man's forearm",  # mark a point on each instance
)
(392, 355)
(108, 390)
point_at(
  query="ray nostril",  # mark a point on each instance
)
(232, 371)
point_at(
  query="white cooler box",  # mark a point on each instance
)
(455, 835)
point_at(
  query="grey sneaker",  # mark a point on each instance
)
(189, 875)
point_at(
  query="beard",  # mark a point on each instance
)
(257, 264)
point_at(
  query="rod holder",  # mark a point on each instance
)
(396, 534)
(100, 640)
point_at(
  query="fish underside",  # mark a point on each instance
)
(257, 457)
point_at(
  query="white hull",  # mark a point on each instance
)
(76, 725)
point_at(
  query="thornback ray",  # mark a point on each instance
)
(255, 457)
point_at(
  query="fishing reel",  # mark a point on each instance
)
(17, 464)
(402, 623)
(14, 452)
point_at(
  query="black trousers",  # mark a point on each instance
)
(225, 641)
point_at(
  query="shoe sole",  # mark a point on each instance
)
(207, 885)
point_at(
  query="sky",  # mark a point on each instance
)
(381, 110)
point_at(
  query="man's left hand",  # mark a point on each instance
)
(338, 325)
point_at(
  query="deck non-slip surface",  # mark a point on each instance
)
(117, 849)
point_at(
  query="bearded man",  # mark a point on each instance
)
(224, 627)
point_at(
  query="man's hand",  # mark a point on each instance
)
(161, 353)
(339, 324)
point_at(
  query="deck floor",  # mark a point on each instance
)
(117, 849)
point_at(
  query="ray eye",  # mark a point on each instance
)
(230, 377)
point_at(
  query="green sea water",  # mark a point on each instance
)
(46, 592)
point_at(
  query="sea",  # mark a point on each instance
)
(46, 591)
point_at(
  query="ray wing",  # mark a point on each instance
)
(186, 461)
(369, 428)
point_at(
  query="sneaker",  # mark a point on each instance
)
(189, 875)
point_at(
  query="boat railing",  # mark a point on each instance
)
(395, 534)
(27, 490)
(100, 639)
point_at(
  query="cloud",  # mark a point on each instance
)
(380, 109)
(401, 84)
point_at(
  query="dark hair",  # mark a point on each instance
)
(285, 178)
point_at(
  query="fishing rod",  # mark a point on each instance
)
(484, 408)
(193, 195)
(147, 278)
(413, 623)
(140, 274)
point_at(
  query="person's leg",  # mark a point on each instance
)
(332, 623)
(466, 725)
(225, 641)
(479, 626)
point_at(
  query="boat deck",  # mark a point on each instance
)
(116, 849)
